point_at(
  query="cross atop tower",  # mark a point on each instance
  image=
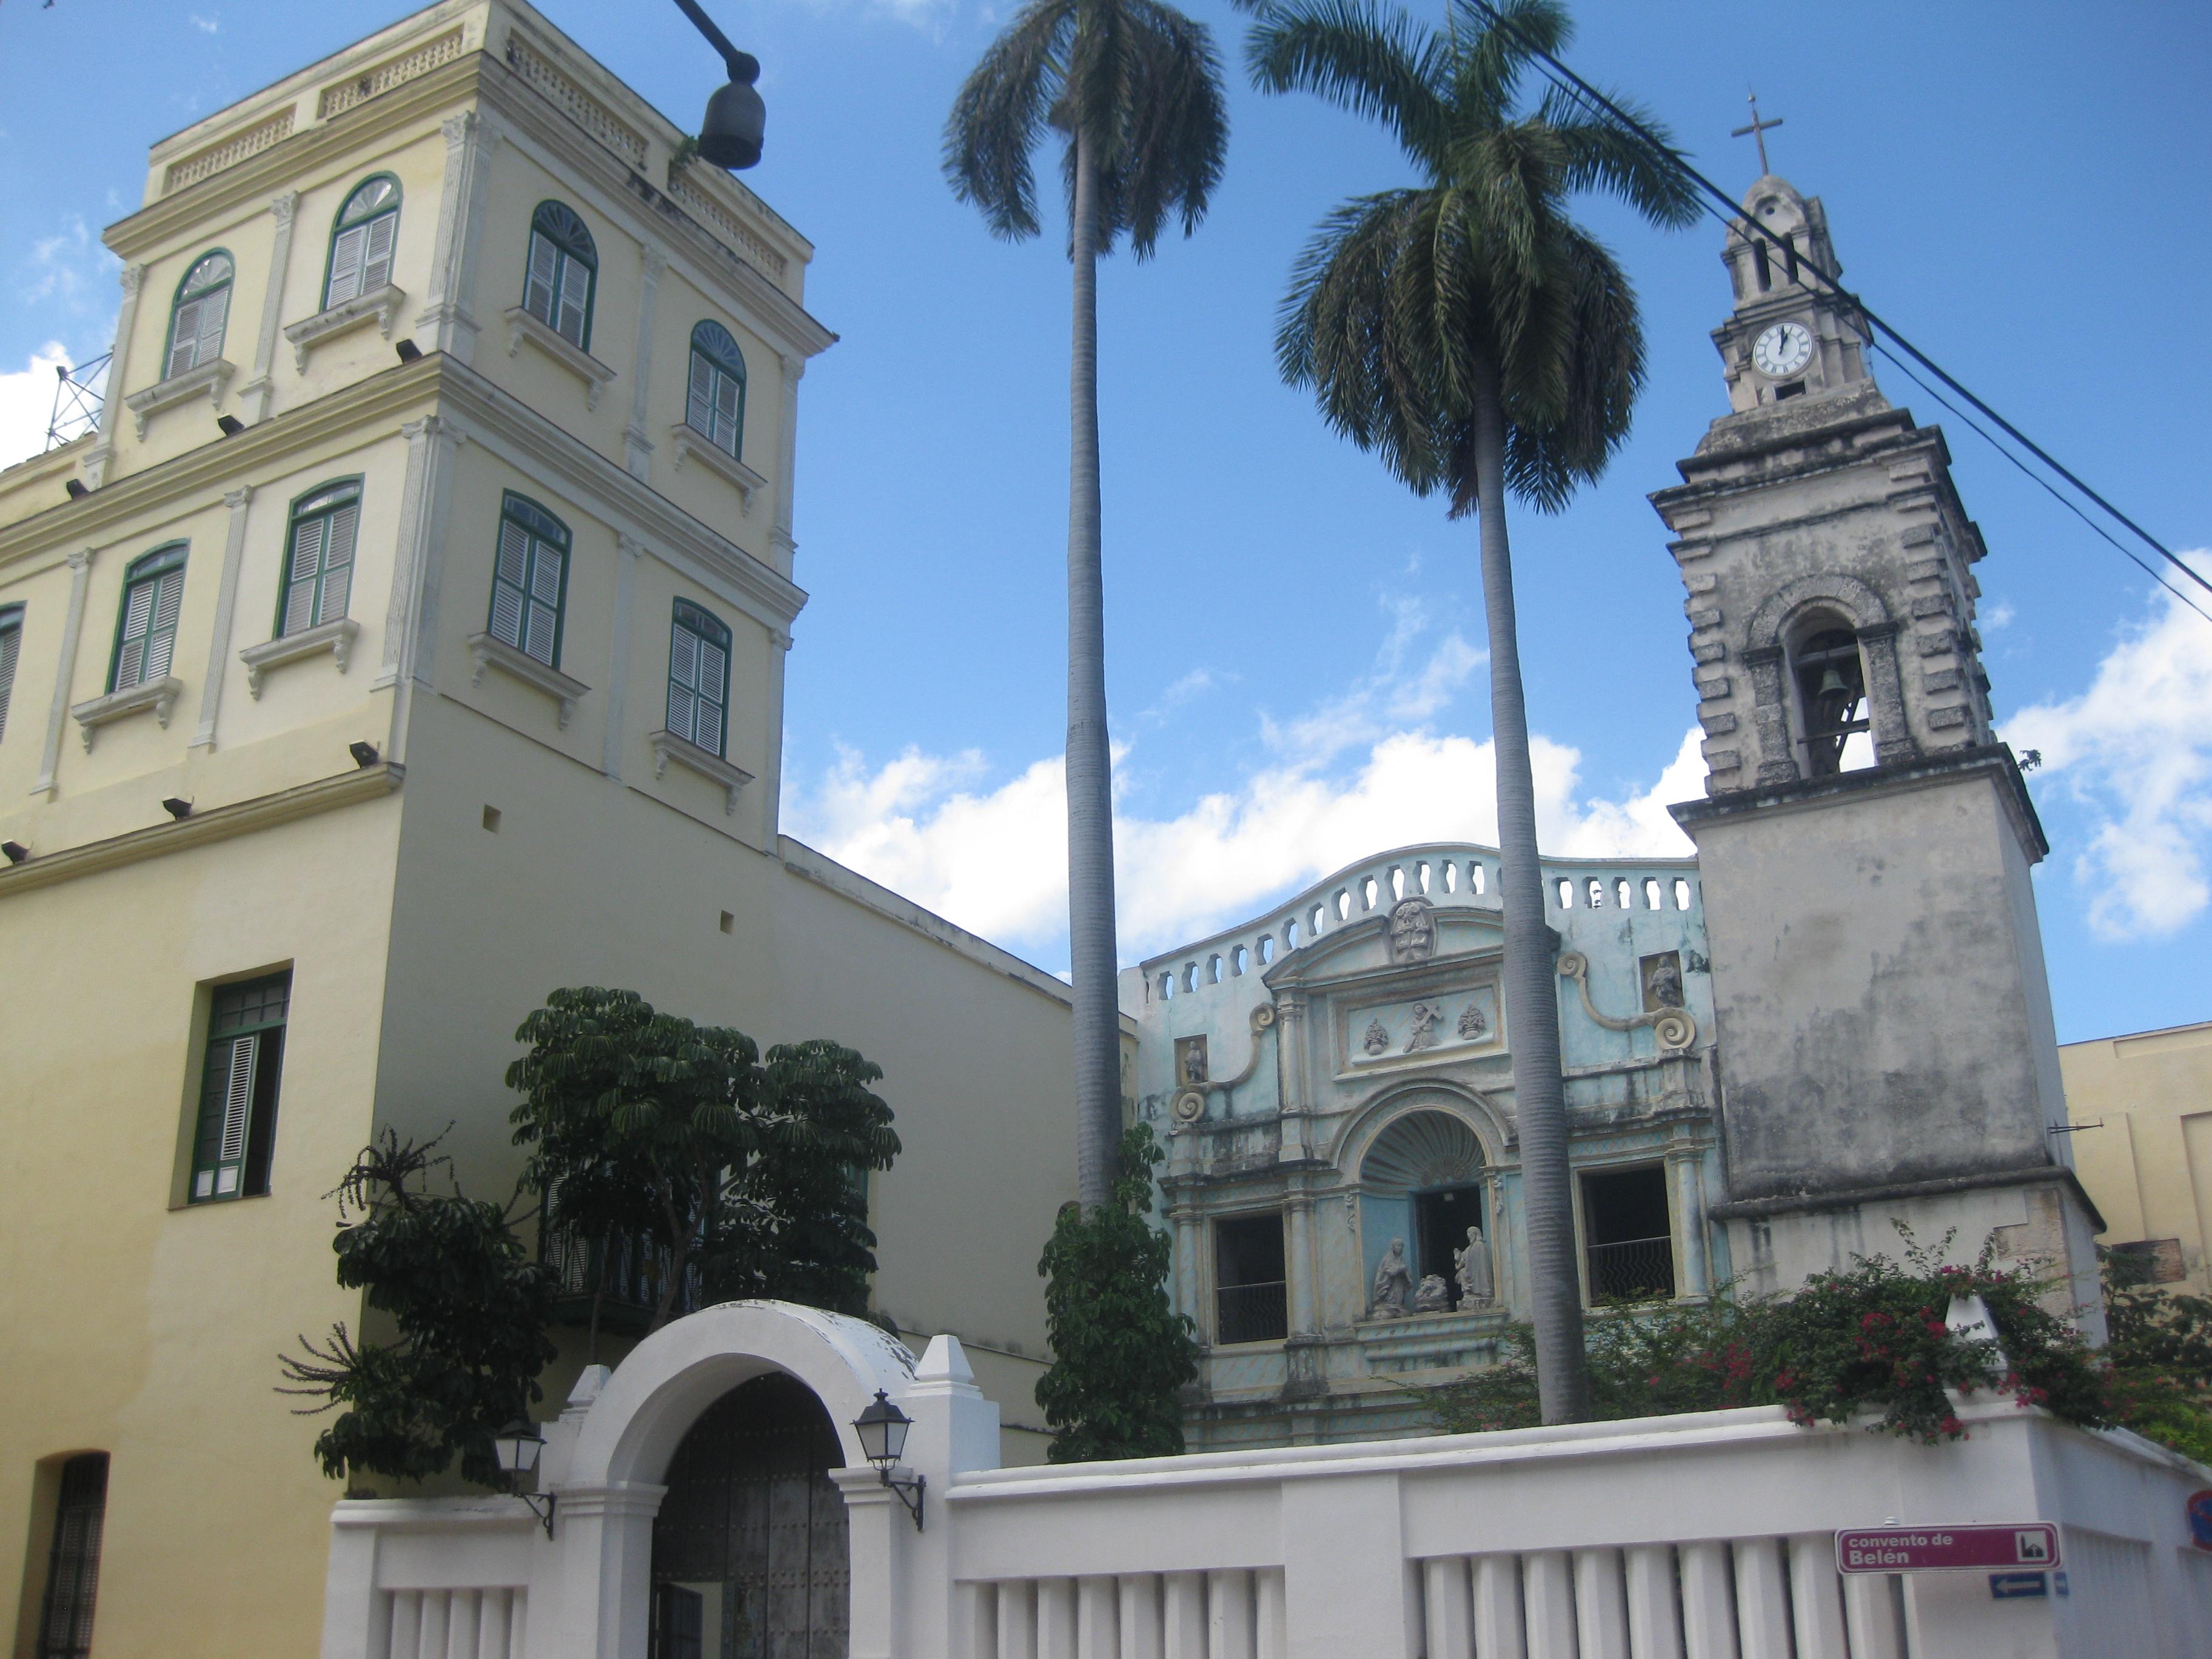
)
(1757, 132)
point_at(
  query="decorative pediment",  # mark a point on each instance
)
(1387, 945)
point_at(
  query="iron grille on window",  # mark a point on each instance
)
(625, 1274)
(1633, 1270)
(73, 1563)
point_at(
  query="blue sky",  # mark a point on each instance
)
(1293, 640)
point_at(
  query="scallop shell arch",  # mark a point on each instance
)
(1423, 1149)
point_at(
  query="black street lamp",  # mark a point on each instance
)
(730, 136)
(520, 1446)
(882, 1428)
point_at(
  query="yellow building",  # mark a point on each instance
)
(409, 641)
(2148, 1162)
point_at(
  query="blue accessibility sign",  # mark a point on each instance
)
(2017, 1586)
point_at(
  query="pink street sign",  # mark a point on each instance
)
(1947, 1549)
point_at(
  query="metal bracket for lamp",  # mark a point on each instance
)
(909, 1488)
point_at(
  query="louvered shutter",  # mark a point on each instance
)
(337, 562)
(214, 309)
(538, 295)
(544, 601)
(11, 641)
(345, 266)
(714, 687)
(726, 412)
(138, 611)
(376, 264)
(300, 580)
(682, 676)
(184, 339)
(226, 1112)
(507, 587)
(576, 298)
(161, 638)
(700, 410)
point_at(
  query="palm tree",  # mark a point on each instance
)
(1133, 89)
(1481, 341)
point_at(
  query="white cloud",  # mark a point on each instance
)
(206, 25)
(70, 268)
(27, 403)
(2134, 751)
(1342, 783)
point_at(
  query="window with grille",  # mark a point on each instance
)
(196, 318)
(73, 1560)
(698, 677)
(564, 265)
(146, 631)
(717, 401)
(11, 646)
(1628, 1242)
(237, 1089)
(529, 579)
(363, 237)
(318, 557)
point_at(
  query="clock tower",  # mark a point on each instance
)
(1884, 1048)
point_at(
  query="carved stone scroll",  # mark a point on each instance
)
(1675, 1028)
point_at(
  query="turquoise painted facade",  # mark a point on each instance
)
(1336, 1074)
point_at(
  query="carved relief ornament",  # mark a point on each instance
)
(1675, 1028)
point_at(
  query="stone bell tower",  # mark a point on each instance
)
(1885, 1042)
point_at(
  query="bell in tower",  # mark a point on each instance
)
(1885, 1047)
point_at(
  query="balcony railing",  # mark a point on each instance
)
(1251, 1313)
(627, 1275)
(1633, 1270)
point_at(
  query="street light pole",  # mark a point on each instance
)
(730, 136)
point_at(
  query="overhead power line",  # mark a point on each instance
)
(1725, 208)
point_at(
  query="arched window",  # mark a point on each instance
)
(1831, 705)
(195, 321)
(717, 404)
(362, 237)
(318, 560)
(146, 628)
(11, 644)
(531, 580)
(564, 267)
(698, 677)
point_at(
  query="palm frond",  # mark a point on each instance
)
(1362, 58)
(1175, 123)
(1493, 57)
(1003, 109)
(1602, 155)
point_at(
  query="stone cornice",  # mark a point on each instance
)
(1844, 1198)
(202, 828)
(373, 405)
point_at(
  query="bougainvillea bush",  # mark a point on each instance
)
(1873, 1341)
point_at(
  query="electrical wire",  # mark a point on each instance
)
(1728, 211)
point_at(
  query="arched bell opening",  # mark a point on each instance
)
(1421, 1188)
(751, 1557)
(1828, 678)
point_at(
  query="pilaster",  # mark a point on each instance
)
(256, 394)
(787, 463)
(226, 610)
(637, 448)
(472, 137)
(118, 380)
(411, 614)
(50, 757)
(627, 549)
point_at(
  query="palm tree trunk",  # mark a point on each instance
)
(1090, 764)
(1532, 1004)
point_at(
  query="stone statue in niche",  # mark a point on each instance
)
(1376, 1039)
(1412, 930)
(1473, 1024)
(1423, 1024)
(1394, 1282)
(1433, 1296)
(1472, 1267)
(1663, 982)
(1190, 1059)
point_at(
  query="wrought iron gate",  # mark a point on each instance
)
(749, 1550)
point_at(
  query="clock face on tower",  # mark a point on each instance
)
(1782, 350)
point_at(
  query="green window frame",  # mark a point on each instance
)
(319, 557)
(363, 237)
(529, 579)
(11, 647)
(715, 405)
(698, 677)
(146, 620)
(237, 1125)
(72, 1589)
(563, 274)
(198, 314)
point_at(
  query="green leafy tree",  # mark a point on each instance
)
(1132, 87)
(1480, 341)
(2160, 1347)
(1120, 1352)
(744, 1175)
(468, 1308)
